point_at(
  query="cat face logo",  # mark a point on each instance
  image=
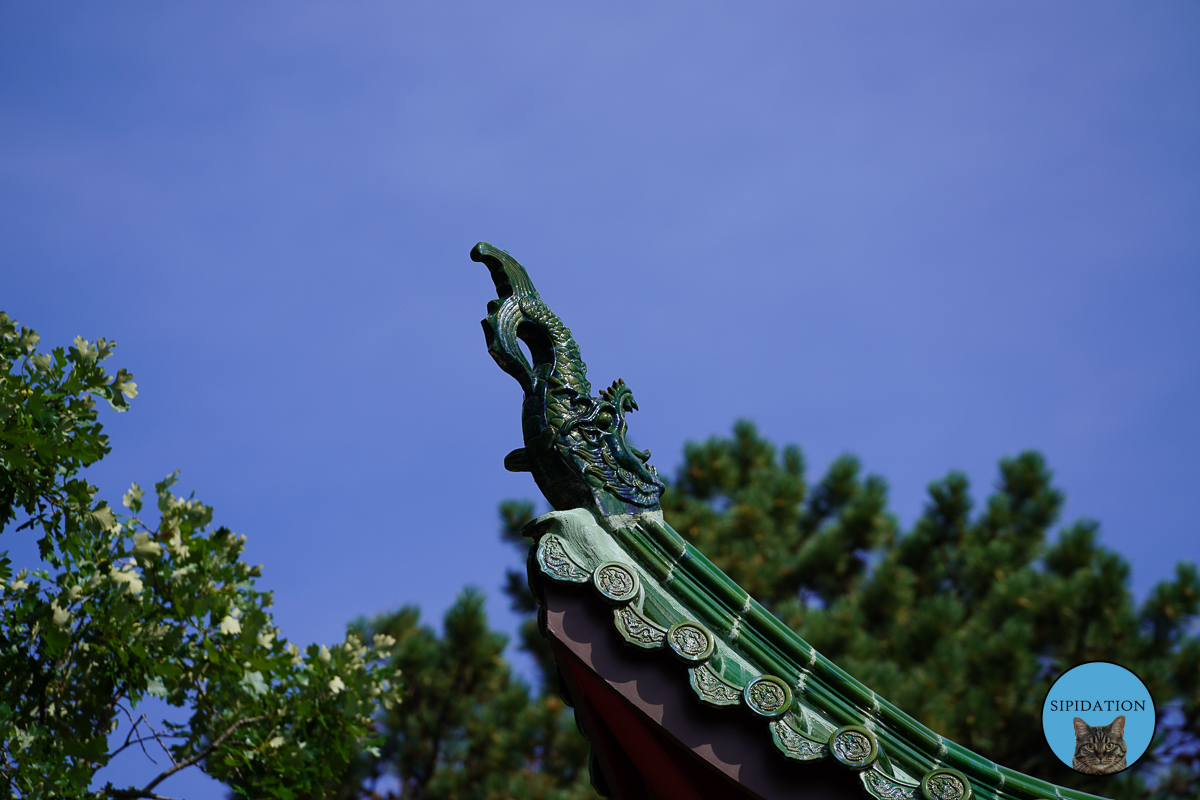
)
(1099, 749)
(1098, 718)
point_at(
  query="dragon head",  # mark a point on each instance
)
(574, 443)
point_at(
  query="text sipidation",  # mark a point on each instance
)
(1097, 705)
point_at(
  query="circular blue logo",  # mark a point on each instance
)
(1098, 718)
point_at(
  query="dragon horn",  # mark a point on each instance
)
(504, 315)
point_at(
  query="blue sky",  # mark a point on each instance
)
(930, 234)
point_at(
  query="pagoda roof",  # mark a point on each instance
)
(606, 550)
(664, 597)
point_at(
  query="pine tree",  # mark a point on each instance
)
(966, 620)
(466, 726)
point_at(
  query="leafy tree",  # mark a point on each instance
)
(966, 620)
(127, 606)
(49, 429)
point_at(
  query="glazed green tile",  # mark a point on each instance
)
(646, 554)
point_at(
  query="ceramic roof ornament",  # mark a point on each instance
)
(736, 704)
(574, 443)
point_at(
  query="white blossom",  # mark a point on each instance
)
(324, 654)
(230, 625)
(61, 616)
(354, 646)
(276, 742)
(265, 638)
(336, 685)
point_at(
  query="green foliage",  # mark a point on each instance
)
(125, 607)
(754, 517)
(467, 728)
(48, 427)
(966, 620)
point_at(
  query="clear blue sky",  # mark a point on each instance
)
(930, 234)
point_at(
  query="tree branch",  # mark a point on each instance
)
(157, 737)
(154, 736)
(166, 773)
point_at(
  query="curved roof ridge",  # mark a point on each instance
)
(668, 596)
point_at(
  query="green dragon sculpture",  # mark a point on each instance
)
(574, 443)
(607, 530)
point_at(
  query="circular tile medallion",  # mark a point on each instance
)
(691, 641)
(945, 784)
(854, 746)
(768, 696)
(617, 582)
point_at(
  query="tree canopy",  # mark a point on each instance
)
(126, 605)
